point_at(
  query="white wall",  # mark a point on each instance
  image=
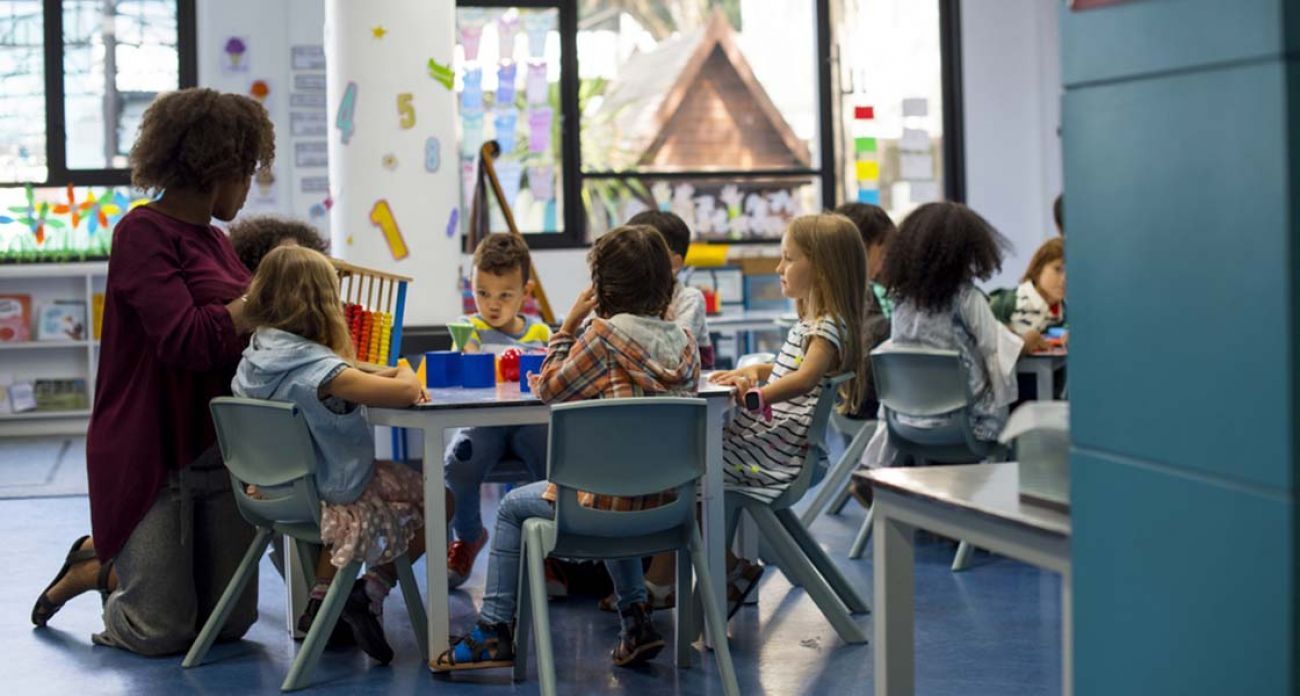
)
(1011, 79)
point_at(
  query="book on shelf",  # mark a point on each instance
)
(97, 315)
(15, 318)
(21, 397)
(61, 395)
(62, 320)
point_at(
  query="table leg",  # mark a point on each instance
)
(713, 511)
(894, 555)
(1043, 373)
(1067, 634)
(435, 537)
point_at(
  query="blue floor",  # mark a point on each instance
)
(994, 629)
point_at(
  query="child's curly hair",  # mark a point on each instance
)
(255, 236)
(938, 248)
(194, 138)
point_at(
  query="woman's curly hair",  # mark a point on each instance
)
(255, 236)
(939, 248)
(195, 138)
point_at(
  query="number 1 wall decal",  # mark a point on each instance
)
(347, 106)
(381, 216)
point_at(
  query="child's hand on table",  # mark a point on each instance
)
(405, 373)
(743, 380)
(534, 381)
(1034, 342)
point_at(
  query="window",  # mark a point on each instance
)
(78, 75)
(610, 107)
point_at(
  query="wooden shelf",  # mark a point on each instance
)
(53, 270)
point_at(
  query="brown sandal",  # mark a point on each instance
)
(45, 609)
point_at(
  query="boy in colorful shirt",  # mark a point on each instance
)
(501, 283)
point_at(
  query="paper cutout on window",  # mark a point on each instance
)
(705, 210)
(915, 107)
(916, 167)
(537, 89)
(867, 170)
(468, 175)
(442, 74)
(864, 144)
(236, 50)
(925, 191)
(472, 135)
(347, 105)
(509, 173)
(539, 124)
(871, 196)
(507, 28)
(541, 181)
(505, 124)
(864, 113)
(432, 155)
(914, 140)
(683, 203)
(469, 39)
(780, 202)
(453, 223)
(732, 197)
(662, 193)
(381, 216)
(538, 25)
(405, 112)
(506, 84)
(632, 206)
(471, 99)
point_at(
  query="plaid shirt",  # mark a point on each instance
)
(606, 363)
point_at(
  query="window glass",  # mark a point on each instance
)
(22, 101)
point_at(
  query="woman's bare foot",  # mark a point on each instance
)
(80, 578)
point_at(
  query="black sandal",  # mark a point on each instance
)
(45, 609)
(101, 581)
(638, 641)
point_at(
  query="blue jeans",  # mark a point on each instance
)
(472, 454)
(500, 594)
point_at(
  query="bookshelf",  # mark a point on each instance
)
(53, 359)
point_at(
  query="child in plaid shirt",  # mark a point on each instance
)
(627, 350)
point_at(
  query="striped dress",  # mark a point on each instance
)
(763, 458)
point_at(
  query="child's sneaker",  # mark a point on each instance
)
(556, 585)
(486, 646)
(340, 637)
(638, 641)
(460, 559)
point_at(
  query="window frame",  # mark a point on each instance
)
(56, 136)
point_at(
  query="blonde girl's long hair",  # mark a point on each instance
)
(296, 289)
(839, 264)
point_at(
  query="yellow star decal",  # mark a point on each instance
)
(349, 240)
(378, 31)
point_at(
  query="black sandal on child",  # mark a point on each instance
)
(45, 609)
(638, 641)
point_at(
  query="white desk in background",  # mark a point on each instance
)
(1043, 366)
(506, 405)
(979, 503)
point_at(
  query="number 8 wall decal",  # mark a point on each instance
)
(381, 216)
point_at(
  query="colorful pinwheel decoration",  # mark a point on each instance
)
(35, 217)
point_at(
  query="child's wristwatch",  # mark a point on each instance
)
(755, 402)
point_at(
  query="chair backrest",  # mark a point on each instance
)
(926, 382)
(812, 460)
(755, 359)
(267, 444)
(626, 448)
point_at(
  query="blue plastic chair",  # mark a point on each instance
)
(267, 444)
(798, 555)
(924, 382)
(834, 491)
(621, 447)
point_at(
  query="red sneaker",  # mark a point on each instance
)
(460, 559)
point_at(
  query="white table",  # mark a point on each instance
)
(506, 405)
(1044, 367)
(979, 503)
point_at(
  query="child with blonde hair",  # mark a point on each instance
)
(301, 352)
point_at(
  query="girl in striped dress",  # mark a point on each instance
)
(823, 268)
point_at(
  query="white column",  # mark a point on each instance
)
(393, 168)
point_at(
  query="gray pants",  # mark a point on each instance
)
(176, 564)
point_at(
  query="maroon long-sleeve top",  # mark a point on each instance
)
(169, 346)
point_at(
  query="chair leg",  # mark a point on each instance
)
(961, 561)
(824, 565)
(798, 565)
(836, 486)
(864, 535)
(523, 613)
(321, 628)
(714, 616)
(841, 499)
(217, 619)
(685, 623)
(540, 612)
(414, 604)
